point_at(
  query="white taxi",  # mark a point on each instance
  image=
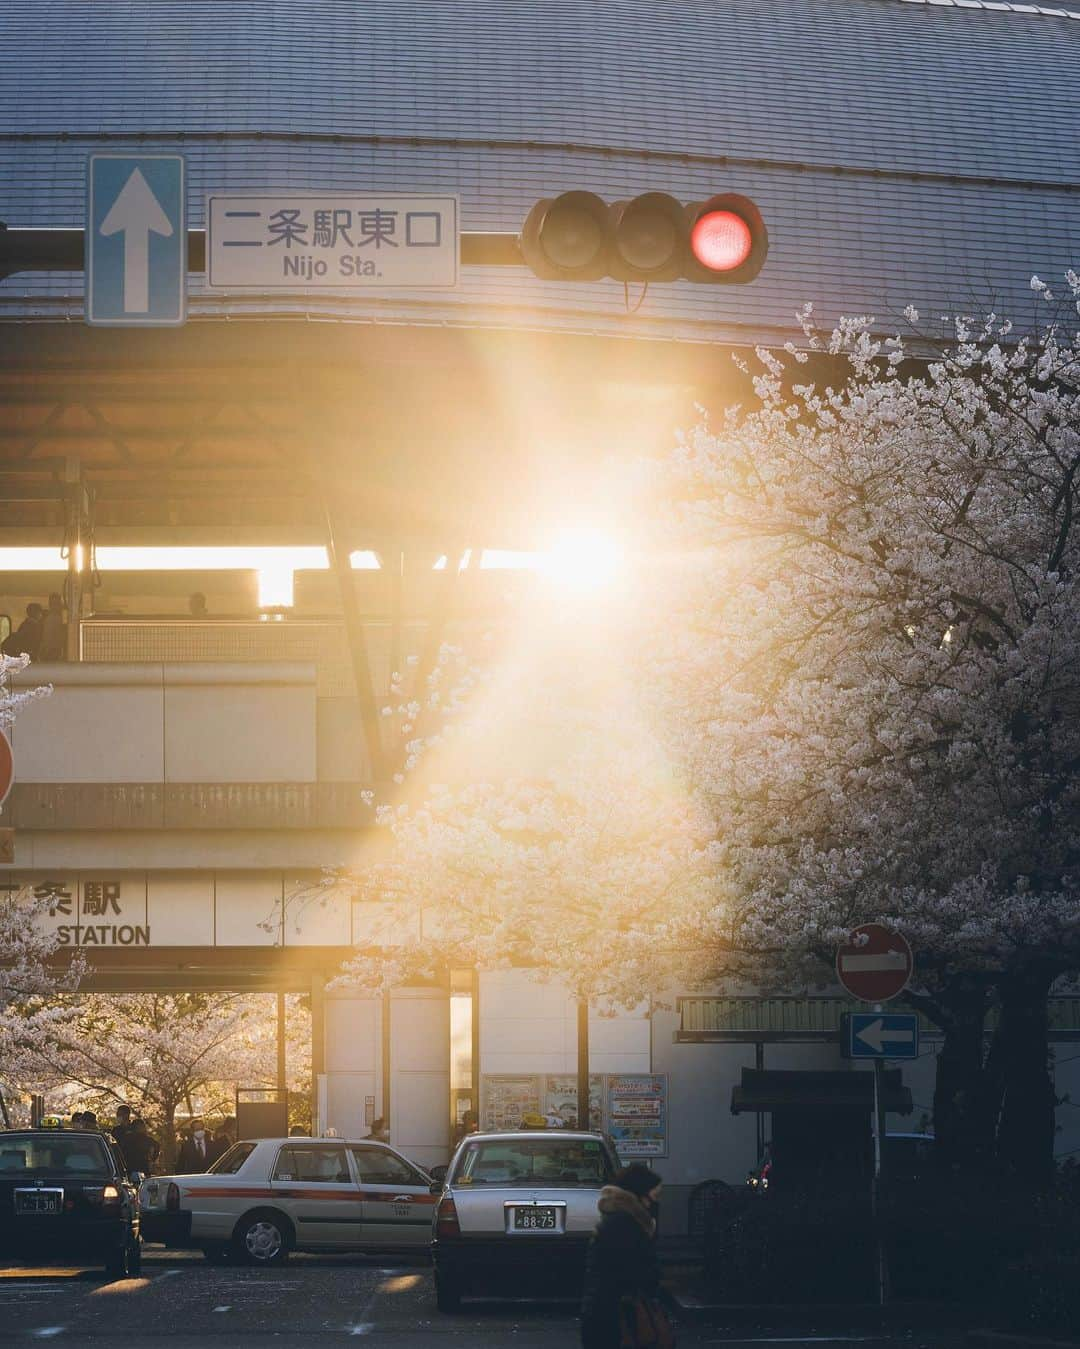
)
(267, 1197)
(516, 1213)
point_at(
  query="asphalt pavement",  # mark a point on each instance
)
(182, 1302)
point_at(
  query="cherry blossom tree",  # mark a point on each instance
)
(27, 978)
(163, 1053)
(872, 683)
(543, 826)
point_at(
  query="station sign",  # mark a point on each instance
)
(278, 241)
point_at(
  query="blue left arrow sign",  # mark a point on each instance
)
(136, 241)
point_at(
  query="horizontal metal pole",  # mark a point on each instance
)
(60, 250)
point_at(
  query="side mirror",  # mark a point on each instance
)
(136, 1177)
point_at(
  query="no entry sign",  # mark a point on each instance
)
(875, 963)
(7, 767)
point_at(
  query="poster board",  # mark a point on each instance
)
(631, 1107)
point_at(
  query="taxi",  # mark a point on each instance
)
(516, 1211)
(65, 1196)
(269, 1196)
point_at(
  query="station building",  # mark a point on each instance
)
(193, 771)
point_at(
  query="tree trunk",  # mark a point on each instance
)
(168, 1141)
(963, 1118)
(1025, 1126)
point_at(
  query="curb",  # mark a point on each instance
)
(1000, 1339)
(834, 1315)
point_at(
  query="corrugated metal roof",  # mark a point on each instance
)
(901, 152)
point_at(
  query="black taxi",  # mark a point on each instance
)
(65, 1197)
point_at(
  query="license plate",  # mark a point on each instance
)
(37, 1201)
(536, 1219)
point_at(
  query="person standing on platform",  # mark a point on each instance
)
(54, 631)
(195, 1151)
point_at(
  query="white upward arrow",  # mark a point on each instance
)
(876, 1035)
(136, 213)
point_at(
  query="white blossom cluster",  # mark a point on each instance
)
(872, 664)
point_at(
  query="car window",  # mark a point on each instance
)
(55, 1154)
(377, 1166)
(230, 1162)
(325, 1165)
(528, 1161)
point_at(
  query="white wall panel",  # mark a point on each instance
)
(255, 732)
(180, 908)
(243, 900)
(92, 733)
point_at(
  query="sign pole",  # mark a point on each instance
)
(876, 1204)
(584, 1112)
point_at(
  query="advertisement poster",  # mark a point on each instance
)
(637, 1114)
(560, 1100)
(505, 1100)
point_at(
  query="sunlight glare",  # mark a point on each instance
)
(582, 559)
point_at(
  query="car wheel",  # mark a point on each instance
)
(447, 1295)
(218, 1253)
(263, 1239)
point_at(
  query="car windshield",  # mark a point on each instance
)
(56, 1154)
(552, 1162)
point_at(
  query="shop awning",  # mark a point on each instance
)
(769, 1089)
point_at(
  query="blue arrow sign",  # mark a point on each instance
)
(136, 241)
(883, 1035)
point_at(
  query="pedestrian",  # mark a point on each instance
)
(224, 1138)
(197, 605)
(122, 1126)
(622, 1274)
(141, 1148)
(298, 1131)
(380, 1133)
(76, 1119)
(26, 639)
(90, 1121)
(195, 1154)
(53, 631)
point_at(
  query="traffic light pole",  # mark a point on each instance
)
(63, 250)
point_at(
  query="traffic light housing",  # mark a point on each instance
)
(653, 237)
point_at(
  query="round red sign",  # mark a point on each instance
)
(875, 963)
(7, 767)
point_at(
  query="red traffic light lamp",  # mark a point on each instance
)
(727, 240)
(653, 237)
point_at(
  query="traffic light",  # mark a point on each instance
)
(579, 237)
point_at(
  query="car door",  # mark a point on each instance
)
(312, 1183)
(397, 1197)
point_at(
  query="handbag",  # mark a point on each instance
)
(644, 1324)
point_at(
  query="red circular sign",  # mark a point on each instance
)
(875, 963)
(7, 767)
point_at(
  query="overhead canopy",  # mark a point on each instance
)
(768, 1089)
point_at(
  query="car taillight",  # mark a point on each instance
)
(446, 1219)
(110, 1197)
(172, 1197)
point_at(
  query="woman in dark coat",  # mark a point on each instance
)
(622, 1254)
